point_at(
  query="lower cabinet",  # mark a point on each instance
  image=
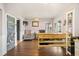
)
(76, 51)
(76, 47)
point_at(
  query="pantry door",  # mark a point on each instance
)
(10, 32)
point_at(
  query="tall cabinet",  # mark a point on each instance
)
(69, 30)
(72, 28)
(72, 22)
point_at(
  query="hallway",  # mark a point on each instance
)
(29, 48)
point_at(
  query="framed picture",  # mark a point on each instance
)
(35, 23)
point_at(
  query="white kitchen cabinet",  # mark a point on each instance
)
(69, 28)
(76, 47)
(72, 28)
(72, 21)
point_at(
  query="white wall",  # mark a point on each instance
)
(76, 21)
(0, 31)
(3, 39)
(42, 23)
(4, 33)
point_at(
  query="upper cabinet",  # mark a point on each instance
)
(72, 22)
(69, 22)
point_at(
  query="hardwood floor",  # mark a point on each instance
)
(29, 48)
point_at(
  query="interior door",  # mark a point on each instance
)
(10, 32)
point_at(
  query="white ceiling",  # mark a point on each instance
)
(43, 10)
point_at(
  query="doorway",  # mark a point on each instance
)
(18, 31)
